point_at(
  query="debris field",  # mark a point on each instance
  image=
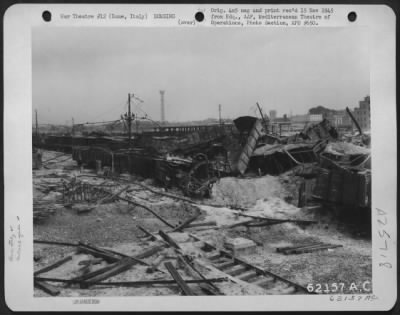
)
(231, 211)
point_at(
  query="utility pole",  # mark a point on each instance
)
(73, 124)
(219, 109)
(162, 107)
(129, 120)
(129, 117)
(37, 127)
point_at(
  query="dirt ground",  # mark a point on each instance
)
(114, 225)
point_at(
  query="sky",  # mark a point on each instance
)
(87, 73)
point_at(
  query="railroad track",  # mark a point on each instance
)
(238, 268)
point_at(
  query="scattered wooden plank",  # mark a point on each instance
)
(281, 249)
(121, 266)
(54, 243)
(313, 249)
(48, 288)
(94, 261)
(94, 273)
(53, 266)
(181, 283)
(169, 239)
(277, 220)
(265, 223)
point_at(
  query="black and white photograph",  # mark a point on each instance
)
(214, 151)
(201, 161)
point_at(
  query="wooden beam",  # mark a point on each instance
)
(121, 266)
(93, 273)
(169, 239)
(53, 266)
(275, 220)
(181, 283)
(48, 288)
(54, 243)
(281, 249)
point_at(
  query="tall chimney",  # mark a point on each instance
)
(162, 107)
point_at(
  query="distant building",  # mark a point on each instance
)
(363, 113)
(313, 118)
(307, 118)
(340, 118)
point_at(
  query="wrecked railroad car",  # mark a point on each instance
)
(279, 158)
(344, 187)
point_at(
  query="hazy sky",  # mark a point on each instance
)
(86, 73)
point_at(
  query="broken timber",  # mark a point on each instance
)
(53, 266)
(123, 265)
(307, 248)
(277, 220)
(168, 239)
(182, 284)
(54, 243)
(282, 249)
(48, 288)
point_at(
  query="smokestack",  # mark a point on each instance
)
(162, 107)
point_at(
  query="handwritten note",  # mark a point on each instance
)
(15, 240)
(383, 239)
